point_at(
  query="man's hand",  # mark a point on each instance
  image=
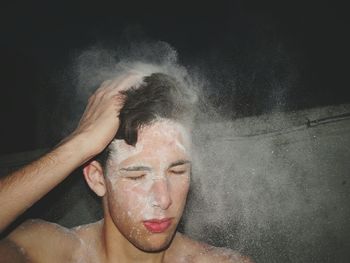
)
(100, 121)
(97, 127)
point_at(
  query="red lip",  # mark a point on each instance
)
(157, 225)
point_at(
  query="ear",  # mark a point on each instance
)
(93, 173)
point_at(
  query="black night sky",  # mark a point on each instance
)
(300, 45)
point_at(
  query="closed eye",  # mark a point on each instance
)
(135, 172)
(138, 177)
(180, 167)
(182, 171)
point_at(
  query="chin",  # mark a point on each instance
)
(153, 248)
(155, 243)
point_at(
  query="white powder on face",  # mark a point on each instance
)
(120, 151)
(159, 144)
(173, 133)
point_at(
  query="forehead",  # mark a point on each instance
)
(163, 138)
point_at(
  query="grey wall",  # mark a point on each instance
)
(276, 186)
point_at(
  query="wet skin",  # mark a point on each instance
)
(147, 185)
(38, 241)
(141, 185)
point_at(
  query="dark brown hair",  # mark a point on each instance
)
(159, 96)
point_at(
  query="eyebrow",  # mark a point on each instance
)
(177, 163)
(146, 168)
(136, 168)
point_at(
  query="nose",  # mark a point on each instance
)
(161, 194)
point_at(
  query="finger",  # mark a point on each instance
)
(103, 90)
(106, 83)
(104, 86)
(128, 81)
(90, 102)
(119, 100)
(113, 87)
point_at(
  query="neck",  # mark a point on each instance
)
(118, 249)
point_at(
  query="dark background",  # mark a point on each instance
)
(259, 55)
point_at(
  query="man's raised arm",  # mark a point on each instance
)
(97, 127)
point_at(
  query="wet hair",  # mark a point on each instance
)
(159, 96)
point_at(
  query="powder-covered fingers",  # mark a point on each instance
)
(129, 80)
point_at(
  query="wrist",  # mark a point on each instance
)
(77, 147)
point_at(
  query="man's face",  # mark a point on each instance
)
(147, 185)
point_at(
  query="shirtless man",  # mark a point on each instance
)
(136, 154)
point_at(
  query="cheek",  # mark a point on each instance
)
(134, 199)
(131, 198)
(179, 186)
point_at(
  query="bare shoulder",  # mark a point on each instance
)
(42, 241)
(190, 250)
(218, 254)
